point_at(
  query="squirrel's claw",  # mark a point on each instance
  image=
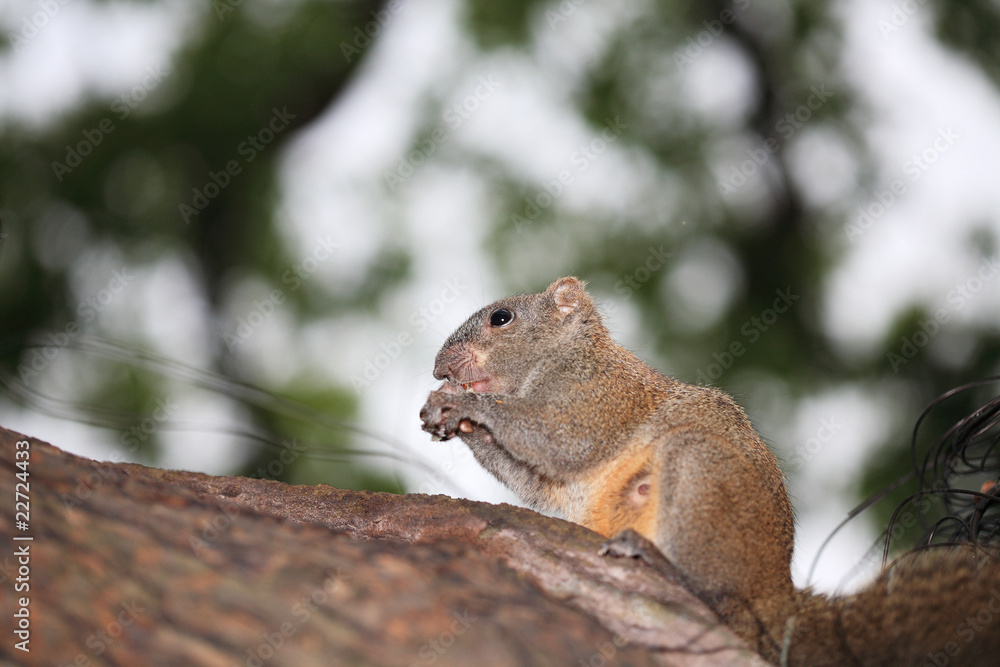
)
(630, 544)
(441, 416)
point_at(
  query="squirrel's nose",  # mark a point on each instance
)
(450, 360)
(442, 364)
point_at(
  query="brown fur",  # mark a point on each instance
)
(576, 424)
(615, 502)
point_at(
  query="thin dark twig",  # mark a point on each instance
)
(970, 446)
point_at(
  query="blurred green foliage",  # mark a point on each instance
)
(241, 85)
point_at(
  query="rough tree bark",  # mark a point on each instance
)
(131, 565)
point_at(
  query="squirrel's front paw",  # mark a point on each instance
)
(441, 415)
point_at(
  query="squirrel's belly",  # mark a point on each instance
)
(623, 494)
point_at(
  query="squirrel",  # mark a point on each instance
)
(675, 473)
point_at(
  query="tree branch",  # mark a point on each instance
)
(135, 565)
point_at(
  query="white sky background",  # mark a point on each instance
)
(521, 116)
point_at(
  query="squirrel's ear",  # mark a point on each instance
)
(568, 294)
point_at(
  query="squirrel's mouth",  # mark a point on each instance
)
(476, 386)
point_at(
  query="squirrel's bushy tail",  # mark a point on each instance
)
(935, 608)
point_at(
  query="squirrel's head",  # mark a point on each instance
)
(496, 349)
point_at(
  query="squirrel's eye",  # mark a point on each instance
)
(501, 317)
